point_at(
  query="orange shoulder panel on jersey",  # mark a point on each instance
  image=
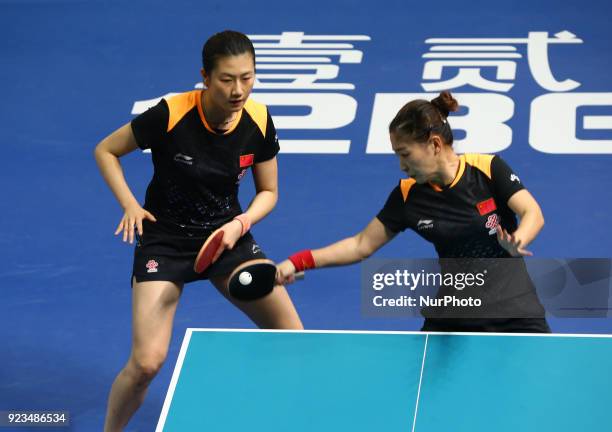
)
(180, 105)
(259, 114)
(480, 161)
(405, 186)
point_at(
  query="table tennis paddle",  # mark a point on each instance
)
(254, 279)
(209, 252)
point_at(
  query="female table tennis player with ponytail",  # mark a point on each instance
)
(465, 205)
(202, 143)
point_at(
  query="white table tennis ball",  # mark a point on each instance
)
(245, 278)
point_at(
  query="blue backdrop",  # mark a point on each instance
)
(72, 71)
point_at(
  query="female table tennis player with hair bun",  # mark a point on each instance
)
(202, 144)
(465, 205)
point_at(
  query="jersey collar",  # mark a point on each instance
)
(460, 172)
(205, 123)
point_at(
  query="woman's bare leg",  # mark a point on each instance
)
(153, 308)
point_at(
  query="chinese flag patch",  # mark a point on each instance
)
(486, 206)
(246, 160)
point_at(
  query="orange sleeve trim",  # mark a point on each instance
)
(480, 161)
(405, 186)
(259, 114)
(179, 106)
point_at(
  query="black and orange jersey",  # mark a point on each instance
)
(197, 170)
(460, 219)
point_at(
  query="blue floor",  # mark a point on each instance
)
(72, 71)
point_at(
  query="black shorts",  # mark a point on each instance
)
(497, 325)
(167, 252)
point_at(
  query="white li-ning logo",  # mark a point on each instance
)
(424, 224)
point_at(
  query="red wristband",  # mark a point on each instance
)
(245, 221)
(303, 260)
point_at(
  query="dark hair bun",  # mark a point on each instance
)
(445, 103)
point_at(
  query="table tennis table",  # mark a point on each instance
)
(259, 380)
